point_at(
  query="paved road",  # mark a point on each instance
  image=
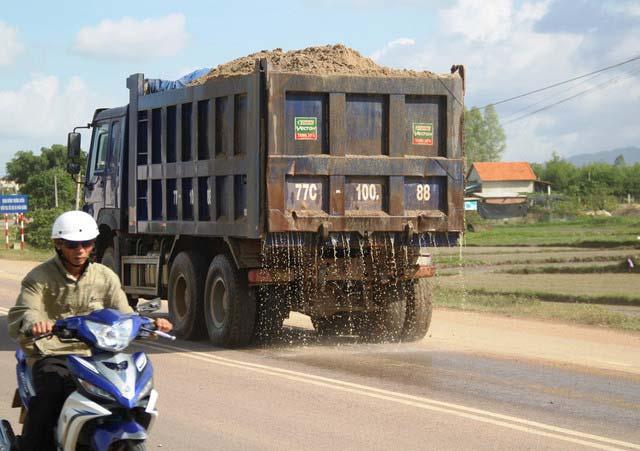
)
(301, 393)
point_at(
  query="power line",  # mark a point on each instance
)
(566, 99)
(551, 97)
(635, 58)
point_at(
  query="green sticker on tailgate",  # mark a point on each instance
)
(306, 128)
(422, 134)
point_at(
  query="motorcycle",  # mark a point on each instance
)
(114, 405)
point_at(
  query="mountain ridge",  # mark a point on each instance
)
(631, 155)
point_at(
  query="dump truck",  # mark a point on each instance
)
(245, 198)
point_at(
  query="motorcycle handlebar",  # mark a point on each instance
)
(164, 335)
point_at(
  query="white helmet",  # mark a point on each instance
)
(74, 226)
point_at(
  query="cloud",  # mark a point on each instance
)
(10, 46)
(479, 20)
(41, 112)
(626, 8)
(507, 53)
(390, 46)
(130, 39)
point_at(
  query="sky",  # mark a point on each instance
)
(59, 61)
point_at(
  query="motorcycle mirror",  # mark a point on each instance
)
(148, 306)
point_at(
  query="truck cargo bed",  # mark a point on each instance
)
(282, 152)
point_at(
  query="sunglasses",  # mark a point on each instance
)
(76, 244)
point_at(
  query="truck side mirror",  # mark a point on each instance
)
(73, 153)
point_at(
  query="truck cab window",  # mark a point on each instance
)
(100, 146)
(116, 143)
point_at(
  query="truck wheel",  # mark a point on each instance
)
(419, 310)
(270, 313)
(185, 295)
(338, 324)
(229, 307)
(386, 322)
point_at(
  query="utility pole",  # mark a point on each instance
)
(78, 191)
(55, 188)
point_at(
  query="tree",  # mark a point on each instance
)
(561, 174)
(484, 137)
(26, 163)
(40, 189)
(494, 135)
(23, 165)
(619, 161)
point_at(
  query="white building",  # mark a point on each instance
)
(8, 186)
(502, 179)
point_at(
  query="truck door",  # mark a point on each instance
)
(97, 169)
(112, 173)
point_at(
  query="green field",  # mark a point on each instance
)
(568, 271)
(600, 232)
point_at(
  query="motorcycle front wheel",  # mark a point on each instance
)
(128, 445)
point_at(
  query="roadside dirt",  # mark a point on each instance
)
(519, 339)
(538, 340)
(323, 60)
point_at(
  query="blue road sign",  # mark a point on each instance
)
(14, 203)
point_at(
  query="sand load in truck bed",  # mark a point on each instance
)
(324, 60)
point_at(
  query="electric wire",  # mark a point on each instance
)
(585, 81)
(635, 58)
(604, 84)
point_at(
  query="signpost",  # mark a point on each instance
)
(14, 204)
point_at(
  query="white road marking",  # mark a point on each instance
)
(485, 416)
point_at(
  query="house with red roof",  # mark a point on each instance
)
(500, 188)
(502, 178)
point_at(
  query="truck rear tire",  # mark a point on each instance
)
(419, 310)
(185, 293)
(270, 313)
(386, 322)
(230, 306)
(337, 324)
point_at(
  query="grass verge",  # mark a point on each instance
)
(583, 232)
(29, 254)
(619, 268)
(529, 306)
(609, 299)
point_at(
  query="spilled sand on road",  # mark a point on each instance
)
(522, 339)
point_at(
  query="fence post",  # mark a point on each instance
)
(21, 231)
(6, 230)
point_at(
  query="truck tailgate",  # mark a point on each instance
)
(352, 153)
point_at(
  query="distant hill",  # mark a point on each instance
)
(631, 156)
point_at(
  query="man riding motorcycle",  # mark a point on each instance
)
(67, 285)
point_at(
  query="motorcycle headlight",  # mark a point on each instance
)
(94, 390)
(114, 337)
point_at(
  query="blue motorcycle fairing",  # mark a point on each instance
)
(109, 433)
(23, 373)
(81, 371)
(104, 316)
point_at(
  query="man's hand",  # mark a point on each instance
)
(41, 328)
(163, 325)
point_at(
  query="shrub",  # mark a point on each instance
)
(38, 231)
